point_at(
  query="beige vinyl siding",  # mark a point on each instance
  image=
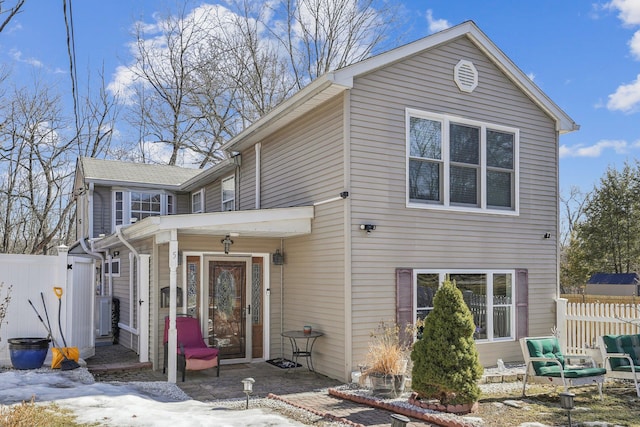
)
(102, 211)
(430, 239)
(314, 287)
(302, 163)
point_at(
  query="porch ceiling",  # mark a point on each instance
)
(277, 223)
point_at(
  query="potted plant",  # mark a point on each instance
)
(386, 360)
(446, 367)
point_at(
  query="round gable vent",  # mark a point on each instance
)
(465, 76)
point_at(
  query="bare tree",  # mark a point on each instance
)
(36, 164)
(165, 67)
(205, 75)
(9, 12)
(325, 35)
(38, 149)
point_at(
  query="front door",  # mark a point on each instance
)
(228, 312)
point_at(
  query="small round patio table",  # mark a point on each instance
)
(296, 338)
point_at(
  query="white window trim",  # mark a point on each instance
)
(222, 199)
(126, 203)
(110, 263)
(193, 195)
(445, 205)
(442, 273)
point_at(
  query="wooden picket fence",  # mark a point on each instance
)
(581, 323)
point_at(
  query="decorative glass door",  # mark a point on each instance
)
(228, 310)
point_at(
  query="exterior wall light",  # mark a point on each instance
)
(278, 258)
(227, 242)
(367, 227)
(547, 235)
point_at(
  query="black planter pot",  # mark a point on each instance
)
(28, 353)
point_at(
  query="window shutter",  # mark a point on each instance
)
(404, 302)
(522, 303)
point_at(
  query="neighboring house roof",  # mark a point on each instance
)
(332, 83)
(113, 172)
(614, 279)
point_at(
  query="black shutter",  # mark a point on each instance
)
(404, 302)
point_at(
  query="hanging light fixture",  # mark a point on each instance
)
(227, 242)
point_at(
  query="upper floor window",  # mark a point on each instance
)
(112, 267)
(459, 164)
(197, 201)
(229, 194)
(489, 294)
(132, 206)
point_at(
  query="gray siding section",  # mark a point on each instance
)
(213, 197)
(183, 203)
(430, 239)
(246, 183)
(101, 210)
(303, 163)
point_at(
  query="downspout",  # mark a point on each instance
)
(136, 256)
(258, 148)
(82, 241)
(281, 301)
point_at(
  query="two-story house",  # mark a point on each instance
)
(347, 205)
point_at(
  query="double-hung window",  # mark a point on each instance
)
(489, 294)
(460, 164)
(229, 194)
(131, 206)
(197, 201)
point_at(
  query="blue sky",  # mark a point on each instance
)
(585, 55)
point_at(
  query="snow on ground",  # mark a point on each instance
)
(127, 404)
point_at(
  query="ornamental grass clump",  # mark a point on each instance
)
(386, 355)
(446, 366)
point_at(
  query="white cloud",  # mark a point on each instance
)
(531, 76)
(626, 98)
(17, 56)
(629, 10)
(634, 44)
(436, 25)
(596, 150)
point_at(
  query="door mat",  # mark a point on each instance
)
(283, 363)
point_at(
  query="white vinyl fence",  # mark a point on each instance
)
(32, 275)
(579, 324)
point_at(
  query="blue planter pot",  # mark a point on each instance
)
(28, 353)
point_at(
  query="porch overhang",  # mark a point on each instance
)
(265, 223)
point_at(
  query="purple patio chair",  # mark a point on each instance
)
(193, 353)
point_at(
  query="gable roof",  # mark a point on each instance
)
(334, 82)
(114, 172)
(614, 279)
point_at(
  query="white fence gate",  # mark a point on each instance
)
(32, 277)
(579, 324)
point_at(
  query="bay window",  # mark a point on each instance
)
(132, 206)
(460, 164)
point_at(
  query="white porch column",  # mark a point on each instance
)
(143, 317)
(173, 284)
